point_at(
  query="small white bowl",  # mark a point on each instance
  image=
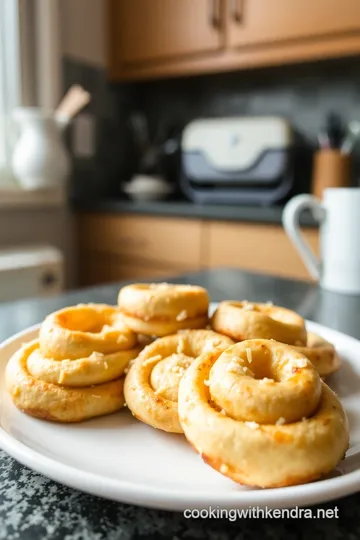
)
(147, 188)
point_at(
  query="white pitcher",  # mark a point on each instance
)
(338, 215)
(40, 159)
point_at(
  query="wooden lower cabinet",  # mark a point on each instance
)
(99, 268)
(262, 248)
(130, 247)
(157, 240)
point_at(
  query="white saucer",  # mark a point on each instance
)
(122, 459)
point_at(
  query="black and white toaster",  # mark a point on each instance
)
(244, 160)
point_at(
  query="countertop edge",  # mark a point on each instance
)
(185, 209)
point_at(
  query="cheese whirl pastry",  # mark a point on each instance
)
(321, 354)
(160, 309)
(94, 369)
(58, 403)
(259, 413)
(151, 385)
(76, 369)
(246, 320)
(78, 331)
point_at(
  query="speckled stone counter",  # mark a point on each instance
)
(35, 508)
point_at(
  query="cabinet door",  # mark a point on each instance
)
(99, 269)
(255, 22)
(146, 31)
(259, 248)
(173, 242)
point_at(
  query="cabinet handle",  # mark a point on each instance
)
(237, 10)
(215, 13)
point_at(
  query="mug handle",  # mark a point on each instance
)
(291, 223)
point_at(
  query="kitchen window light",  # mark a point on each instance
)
(9, 82)
(30, 58)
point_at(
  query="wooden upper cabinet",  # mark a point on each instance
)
(255, 22)
(157, 30)
(166, 38)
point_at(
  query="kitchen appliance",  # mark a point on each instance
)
(238, 160)
(30, 271)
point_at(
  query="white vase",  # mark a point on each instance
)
(40, 159)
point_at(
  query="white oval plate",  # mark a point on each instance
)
(125, 460)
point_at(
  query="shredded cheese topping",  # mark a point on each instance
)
(265, 380)
(96, 355)
(152, 360)
(301, 363)
(160, 390)
(182, 315)
(209, 346)
(252, 425)
(181, 345)
(162, 285)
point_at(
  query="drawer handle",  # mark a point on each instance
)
(215, 13)
(237, 9)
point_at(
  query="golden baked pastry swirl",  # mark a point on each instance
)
(245, 320)
(151, 386)
(78, 331)
(321, 354)
(58, 403)
(259, 413)
(76, 369)
(94, 369)
(160, 309)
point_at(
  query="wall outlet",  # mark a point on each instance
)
(83, 136)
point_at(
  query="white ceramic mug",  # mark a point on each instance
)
(339, 220)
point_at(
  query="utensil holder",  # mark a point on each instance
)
(331, 168)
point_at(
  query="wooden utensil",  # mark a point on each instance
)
(74, 100)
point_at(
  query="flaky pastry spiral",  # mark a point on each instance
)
(94, 369)
(151, 386)
(76, 369)
(58, 403)
(160, 309)
(78, 331)
(259, 413)
(246, 320)
(321, 353)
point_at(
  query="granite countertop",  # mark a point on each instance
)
(187, 209)
(35, 508)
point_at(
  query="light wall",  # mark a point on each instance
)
(84, 30)
(51, 226)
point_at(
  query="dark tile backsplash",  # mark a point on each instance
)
(303, 94)
(114, 158)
